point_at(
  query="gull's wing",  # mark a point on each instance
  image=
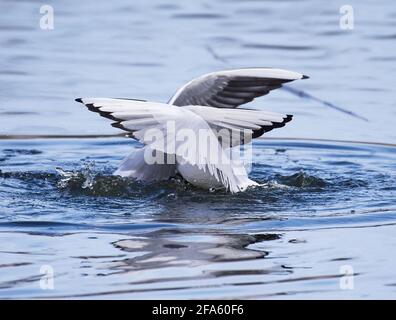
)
(130, 115)
(173, 130)
(232, 88)
(232, 126)
(238, 126)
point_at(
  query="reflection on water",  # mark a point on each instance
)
(319, 206)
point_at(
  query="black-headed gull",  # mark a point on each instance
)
(191, 134)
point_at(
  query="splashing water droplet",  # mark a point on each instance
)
(86, 175)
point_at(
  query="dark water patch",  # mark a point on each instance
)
(16, 42)
(384, 36)
(346, 183)
(343, 163)
(141, 64)
(297, 241)
(12, 265)
(23, 57)
(199, 16)
(21, 151)
(279, 47)
(175, 246)
(302, 180)
(260, 11)
(392, 188)
(13, 73)
(222, 39)
(264, 30)
(266, 237)
(342, 259)
(90, 183)
(29, 176)
(38, 224)
(14, 283)
(78, 183)
(167, 7)
(5, 27)
(99, 257)
(330, 33)
(18, 113)
(250, 272)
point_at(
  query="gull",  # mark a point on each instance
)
(193, 133)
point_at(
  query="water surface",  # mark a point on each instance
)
(320, 206)
(323, 208)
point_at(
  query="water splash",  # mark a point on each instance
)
(302, 180)
(85, 177)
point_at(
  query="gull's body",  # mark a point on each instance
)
(205, 105)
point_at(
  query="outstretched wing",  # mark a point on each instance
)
(232, 126)
(232, 88)
(238, 126)
(134, 116)
(172, 130)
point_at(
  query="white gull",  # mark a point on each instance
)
(206, 104)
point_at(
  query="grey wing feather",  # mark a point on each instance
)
(232, 88)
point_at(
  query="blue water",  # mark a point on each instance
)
(322, 206)
(107, 236)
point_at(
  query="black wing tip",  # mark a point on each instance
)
(117, 125)
(259, 132)
(289, 117)
(91, 107)
(305, 76)
(275, 125)
(107, 115)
